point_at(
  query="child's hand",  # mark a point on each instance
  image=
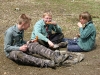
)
(79, 24)
(50, 44)
(23, 47)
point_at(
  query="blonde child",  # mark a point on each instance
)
(43, 29)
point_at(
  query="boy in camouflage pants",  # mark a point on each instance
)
(20, 51)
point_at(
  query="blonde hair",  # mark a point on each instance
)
(24, 18)
(86, 16)
(47, 14)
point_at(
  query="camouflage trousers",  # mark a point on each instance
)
(28, 58)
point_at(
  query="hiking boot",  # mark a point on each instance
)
(57, 52)
(65, 56)
(56, 46)
(62, 44)
(48, 63)
(74, 58)
(80, 57)
(62, 52)
(60, 59)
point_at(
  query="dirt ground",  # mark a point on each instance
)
(65, 13)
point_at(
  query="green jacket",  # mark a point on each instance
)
(40, 30)
(87, 36)
(13, 39)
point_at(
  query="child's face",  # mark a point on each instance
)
(47, 18)
(83, 21)
(26, 26)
